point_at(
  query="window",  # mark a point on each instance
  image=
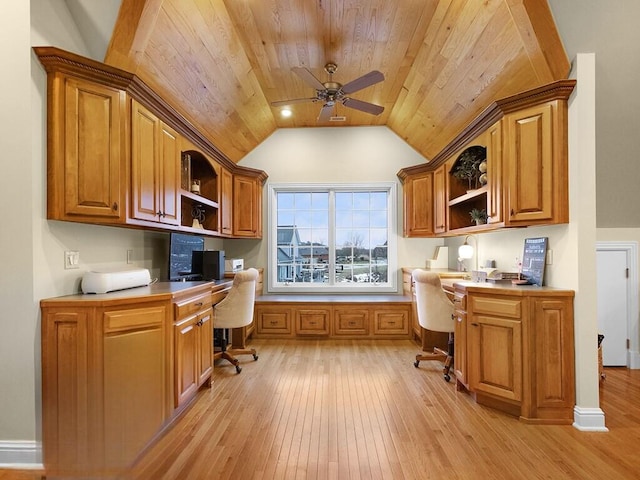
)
(332, 238)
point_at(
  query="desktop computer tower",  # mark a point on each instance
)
(209, 264)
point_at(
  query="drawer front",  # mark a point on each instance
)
(510, 307)
(391, 322)
(312, 321)
(351, 321)
(192, 305)
(273, 321)
(460, 301)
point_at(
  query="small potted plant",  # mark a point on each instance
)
(479, 215)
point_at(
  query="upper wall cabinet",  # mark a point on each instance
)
(509, 168)
(87, 150)
(118, 154)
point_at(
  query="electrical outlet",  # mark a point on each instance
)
(130, 256)
(71, 259)
(549, 257)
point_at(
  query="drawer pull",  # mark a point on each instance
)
(273, 322)
(199, 323)
(352, 323)
(199, 304)
(475, 324)
(392, 323)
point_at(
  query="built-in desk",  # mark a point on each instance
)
(514, 349)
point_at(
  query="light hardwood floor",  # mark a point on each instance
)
(360, 410)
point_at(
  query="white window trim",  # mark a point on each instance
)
(392, 247)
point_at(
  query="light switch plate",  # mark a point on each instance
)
(71, 259)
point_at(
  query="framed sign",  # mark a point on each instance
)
(534, 259)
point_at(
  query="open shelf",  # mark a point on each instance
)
(204, 205)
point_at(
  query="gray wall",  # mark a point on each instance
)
(610, 30)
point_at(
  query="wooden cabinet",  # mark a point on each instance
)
(313, 321)
(440, 199)
(344, 317)
(495, 346)
(418, 205)
(537, 170)
(226, 202)
(460, 339)
(193, 337)
(525, 138)
(519, 354)
(155, 162)
(350, 321)
(114, 157)
(87, 156)
(273, 320)
(247, 207)
(115, 367)
(98, 411)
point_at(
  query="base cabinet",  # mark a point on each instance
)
(98, 411)
(117, 369)
(517, 350)
(193, 344)
(331, 318)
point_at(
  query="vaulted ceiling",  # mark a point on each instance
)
(221, 63)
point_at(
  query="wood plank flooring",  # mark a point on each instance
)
(332, 409)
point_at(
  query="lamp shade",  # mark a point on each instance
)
(465, 251)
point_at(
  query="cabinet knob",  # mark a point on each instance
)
(475, 324)
(114, 207)
(199, 323)
(512, 212)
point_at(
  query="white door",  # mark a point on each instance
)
(612, 284)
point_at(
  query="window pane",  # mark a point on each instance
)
(342, 243)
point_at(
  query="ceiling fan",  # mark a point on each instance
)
(332, 92)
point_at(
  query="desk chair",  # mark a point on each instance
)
(435, 313)
(235, 311)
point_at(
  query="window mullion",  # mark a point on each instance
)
(332, 237)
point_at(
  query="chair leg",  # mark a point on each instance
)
(441, 355)
(228, 354)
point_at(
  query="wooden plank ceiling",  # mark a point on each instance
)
(221, 62)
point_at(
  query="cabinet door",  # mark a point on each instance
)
(226, 202)
(418, 205)
(247, 207)
(155, 168)
(273, 320)
(460, 348)
(350, 321)
(87, 156)
(391, 321)
(495, 356)
(313, 321)
(440, 199)
(205, 337)
(170, 169)
(186, 359)
(532, 181)
(494, 173)
(67, 429)
(550, 360)
(145, 174)
(135, 381)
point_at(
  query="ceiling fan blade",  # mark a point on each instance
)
(363, 106)
(363, 82)
(282, 103)
(308, 77)
(325, 113)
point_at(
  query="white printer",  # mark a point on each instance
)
(111, 280)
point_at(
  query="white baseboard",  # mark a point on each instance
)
(634, 359)
(589, 419)
(24, 455)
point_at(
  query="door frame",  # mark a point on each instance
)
(631, 249)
